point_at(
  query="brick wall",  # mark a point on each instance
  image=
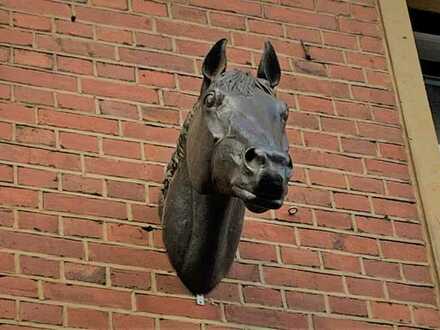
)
(93, 93)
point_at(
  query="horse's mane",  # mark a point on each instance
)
(232, 82)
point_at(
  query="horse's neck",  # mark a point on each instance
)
(202, 229)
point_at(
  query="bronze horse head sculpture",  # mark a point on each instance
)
(232, 153)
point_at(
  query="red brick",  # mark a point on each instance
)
(87, 318)
(31, 58)
(264, 318)
(76, 102)
(82, 228)
(333, 219)
(267, 28)
(427, 317)
(374, 226)
(39, 267)
(365, 287)
(416, 273)
(41, 313)
(395, 208)
(37, 156)
(328, 179)
(6, 173)
(352, 110)
(15, 37)
(44, 7)
(326, 55)
(303, 18)
(84, 205)
(5, 131)
(122, 148)
(125, 321)
(82, 184)
(391, 312)
(241, 271)
(157, 60)
(37, 78)
(38, 221)
(150, 8)
(122, 168)
(74, 28)
(333, 7)
(305, 301)
(118, 109)
(84, 273)
(149, 132)
(118, 4)
(33, 95)
(341, 40)
(330, 324)
(75, 121)
(128, 92)
(132, 279)
(7, 262)
(352, 202)
(358, 27)
(412, 293)
(370, 44)
(18, 286)
(156, 78)
(114, 35)
(176, 306)
(38, 178)
(307, 195)
(383, 79)
(303, 279)
(364, 13)
(127, 234)
(315, 104)
(268, 232)
(86, 295)
(239, 6)
(262, 296)
(35, 135)
(409, 230)
(342, 262)
(145, 213)
(118, 72)
(17, 112)
(392, 151)
(79, 142)
(348, 306)
(366, 184)
(18, 197)
(303, 257)
(161, 115)
(6, 218)
(121, 255)
(8, 309)
(257, 251)
(404, 251)
(228, 21)
(31, 22)
(367, 60)
(300, 33)
(74, 65)
(5, 90)
(191, 14)
(378, 268)
(387, 169)
(75, 46)
(156, 42)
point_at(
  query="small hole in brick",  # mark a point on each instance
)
(292, 210)
(148, 228)
(73, 18)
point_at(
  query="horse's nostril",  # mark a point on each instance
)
(255, 157)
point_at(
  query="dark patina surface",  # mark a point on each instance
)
(232, 153)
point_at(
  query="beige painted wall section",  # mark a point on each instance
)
(416, 114)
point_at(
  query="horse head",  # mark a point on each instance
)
(237, 143)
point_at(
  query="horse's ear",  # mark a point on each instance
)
(215, 61)
(269, 67)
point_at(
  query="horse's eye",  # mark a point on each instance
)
(210, 100)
